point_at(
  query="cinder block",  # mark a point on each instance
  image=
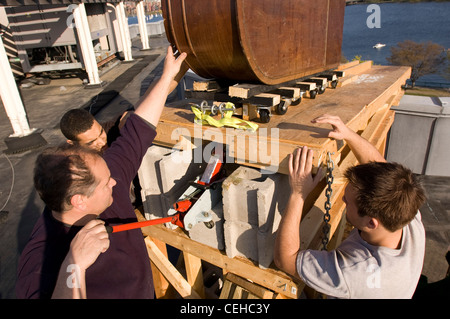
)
(253, 206)
(213, 237)
(272, 196)
(240, 240)
(177, 169)
(239, 195)
(150, 181)
(164, 176)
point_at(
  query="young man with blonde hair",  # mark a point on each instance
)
(383, 255)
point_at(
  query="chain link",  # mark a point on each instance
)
(327, 206)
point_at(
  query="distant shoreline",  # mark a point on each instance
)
(355, 2)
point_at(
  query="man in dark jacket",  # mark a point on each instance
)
(70, 254)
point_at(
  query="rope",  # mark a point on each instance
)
(226, 120)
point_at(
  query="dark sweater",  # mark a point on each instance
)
(123, 271)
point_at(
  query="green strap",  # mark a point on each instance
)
(226, 120)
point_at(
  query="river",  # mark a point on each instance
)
(419, 22)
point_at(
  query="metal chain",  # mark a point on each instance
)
(328, 194)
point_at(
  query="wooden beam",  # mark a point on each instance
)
(358, 68)
(265, 99)
(160, 284)
(169, 271)
(347, 65)
(288, 92)
(256, 290)
(194, 273)
(206, 85)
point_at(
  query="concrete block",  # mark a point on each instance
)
(164, 175)
(272, 197)
(150, 180)
(176, 175)
(240, 240)
(262, 198)
(239, 195)
(213, 237)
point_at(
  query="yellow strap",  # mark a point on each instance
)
(227, 120)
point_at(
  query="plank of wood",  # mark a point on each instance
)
(318, 80)
(306, 86)
(213, 95)
(347, 80)
(359, 68)
(264, 99)
(226, 289)
(339, 74)
(329, 76)
(160, 284)
(206, 85)
(247, 90)
(347, 65)
(252, 288)
(338, 235)
(244, 91)
(169, 271)
(288, 92)
(194, 273)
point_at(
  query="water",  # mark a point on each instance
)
(148, 19)
(419, 22)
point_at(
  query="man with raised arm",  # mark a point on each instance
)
(70, 254)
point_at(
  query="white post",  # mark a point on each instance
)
(11, 98)
(124, 31)
(142, 25)
(87, 48)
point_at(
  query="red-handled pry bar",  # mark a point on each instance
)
(176, 219)
(208, 179)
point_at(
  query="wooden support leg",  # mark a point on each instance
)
(160, 283)
(169, 271)
(194, 273)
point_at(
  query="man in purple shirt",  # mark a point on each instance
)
(70, 254)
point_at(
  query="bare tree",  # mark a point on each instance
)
(423, 58)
